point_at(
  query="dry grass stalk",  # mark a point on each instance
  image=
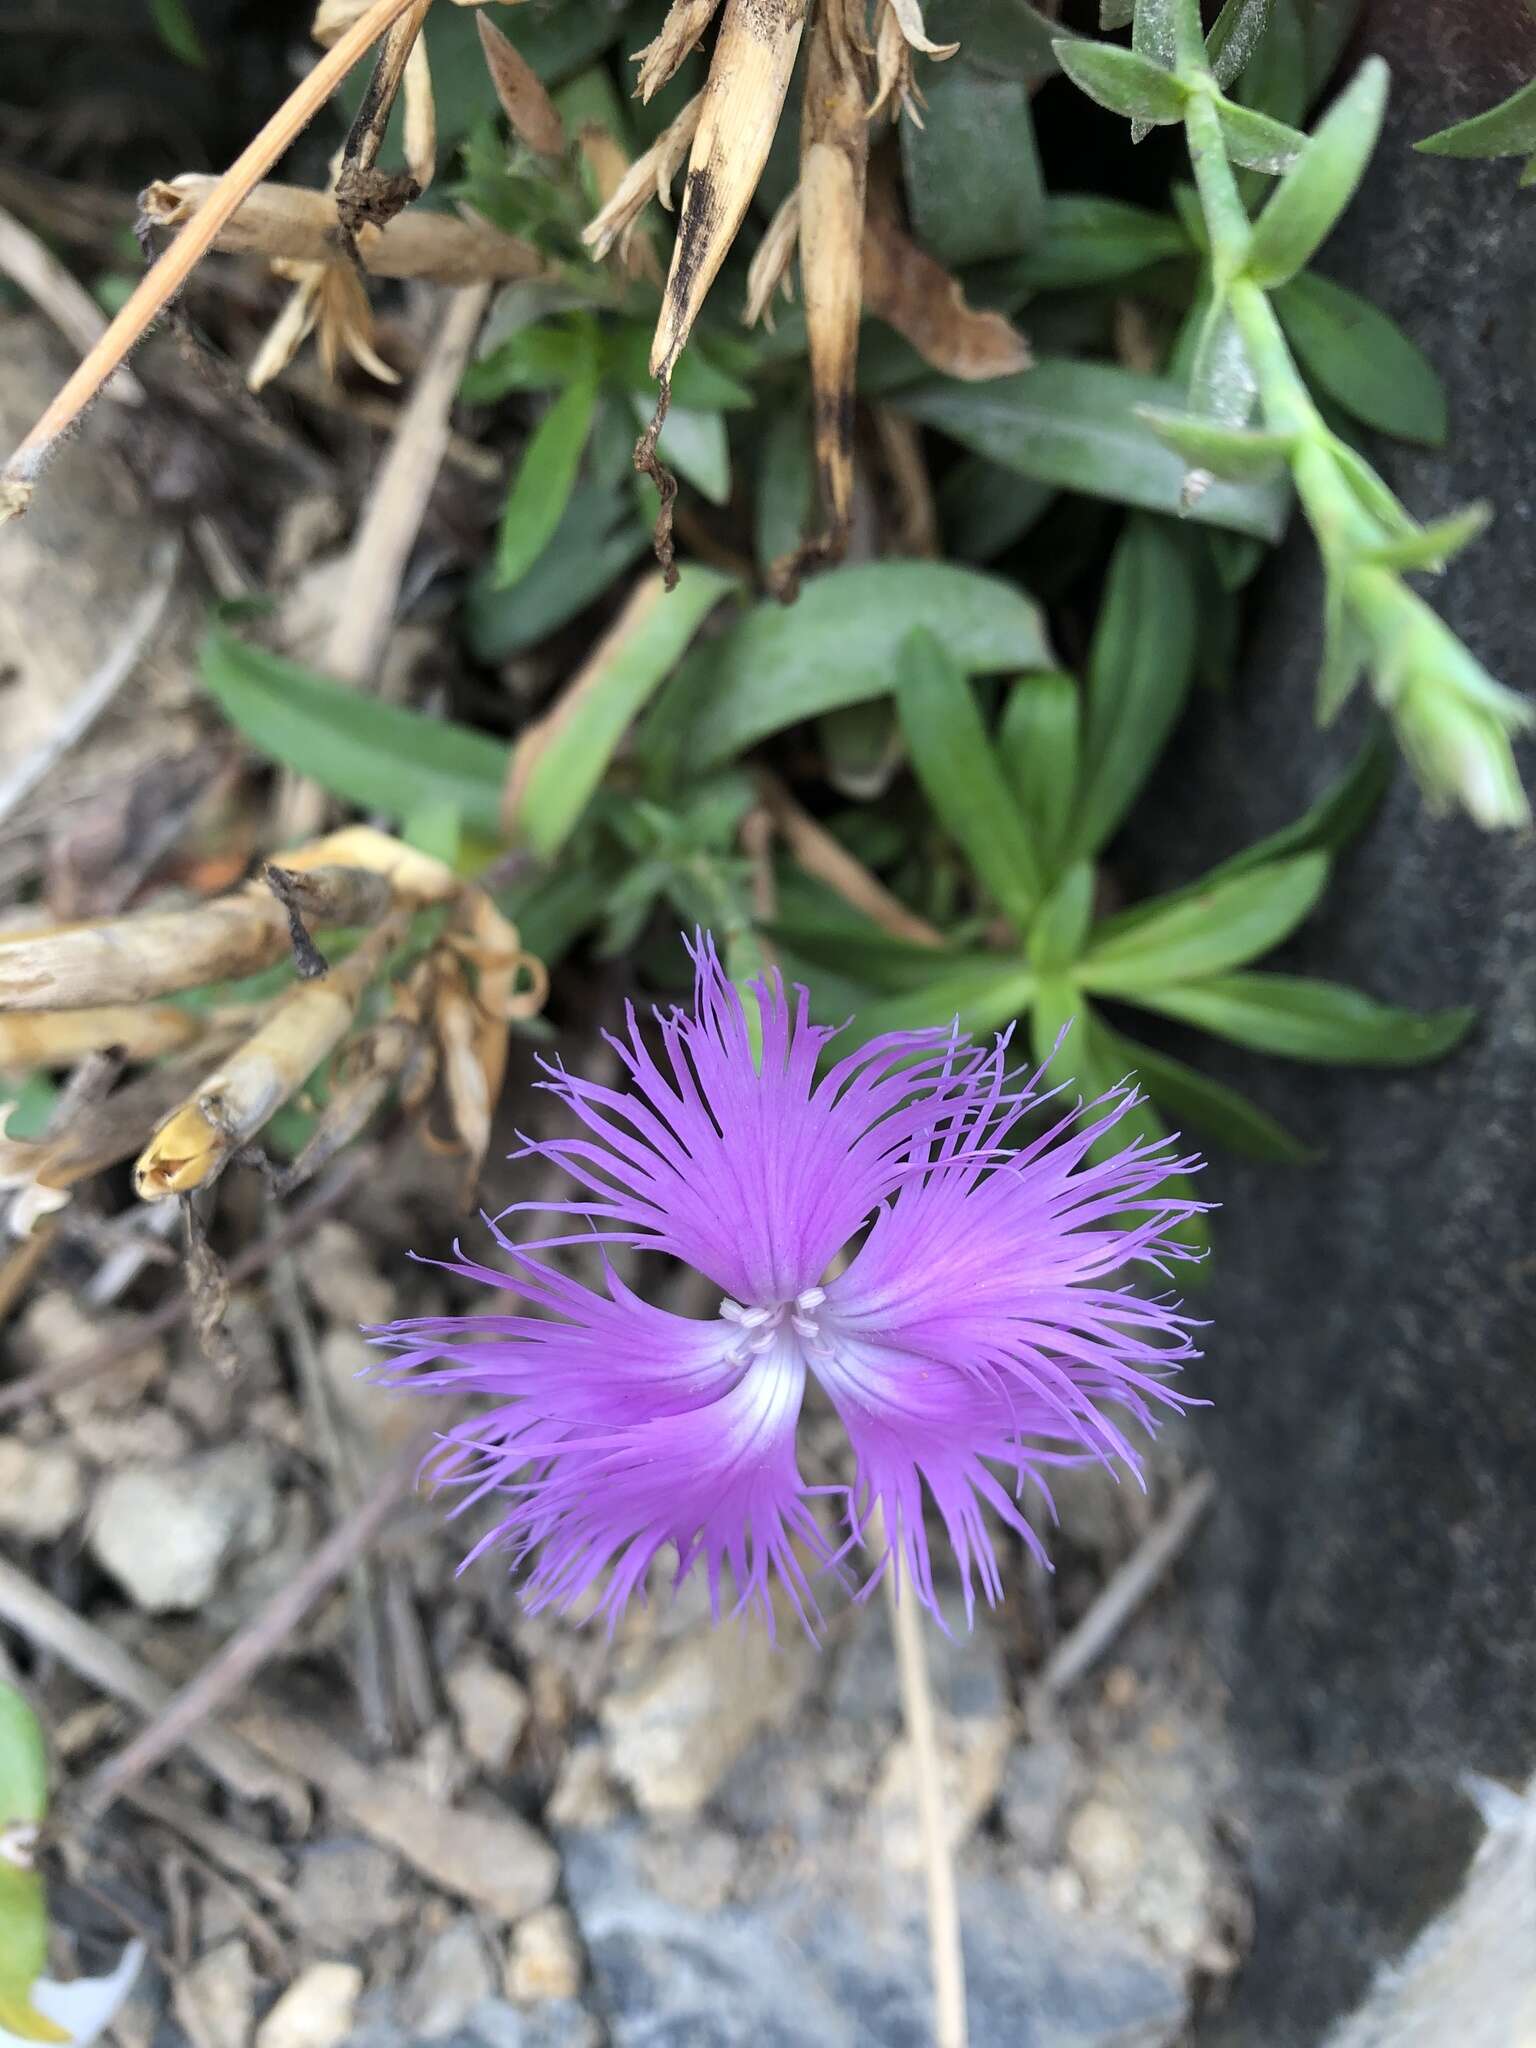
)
(608, 166)
(239, 1097)
(395, 1053)
(827, 860)
(749, 76)
(834, 161)
(916, 295)
(28, 262)
(901, 443)
(294, 224)
(170, 272)
(57, 1038)
(650, 177)
(530, 112)
(137, 958)
(686, 21)
(364, 193)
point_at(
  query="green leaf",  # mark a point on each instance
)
(1077, 426)
(984, 508)
(23, 1763)
(837, 645)
(1257, 140)
(1215, 1110)
(984, 994)
(545, 479)
(1234, 37)
(545, 355)
(1509, 129)
(1009, 38)
(1139, 671)
(1203, 931)
(1310, 198)
(1432, 546)
(178, 31)
(1356, 355)
(598, 538)
(1236, 452)
(1311, 1020)
(973, 180)
(785, 482)
(1037, 743)
(1058, 933)
(697, 382)
(1222, 385)
(579, 739)
(379, 756)
(1124, 81)
(1088, 240)
(953, 760)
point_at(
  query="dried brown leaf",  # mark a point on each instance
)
(686, 21)
(915, 294)
(650, 177)
(529, 109)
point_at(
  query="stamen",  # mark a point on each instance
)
(813, 1297)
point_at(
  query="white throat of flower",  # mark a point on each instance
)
(760, 1327)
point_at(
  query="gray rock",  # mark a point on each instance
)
(452, 1978)
(165, 1533)
(1365, 1582)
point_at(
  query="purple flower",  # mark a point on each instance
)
(970, 1340)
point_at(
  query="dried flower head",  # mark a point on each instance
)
(971, 1340)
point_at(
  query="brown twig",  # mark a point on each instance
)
(180, 1719)
(169, 273)
(50, 1380)
(49, 1625)
(828, 861)
(648, 463)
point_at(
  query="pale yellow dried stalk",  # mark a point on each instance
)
(827, 860)
(686, 21)
(834, 160)
(531, 113)
(749, 76)
(138, 958)
(328, 301)
(771, 263)
(649, 177)
(234, 1102)
(295, 224)
(57, 1038)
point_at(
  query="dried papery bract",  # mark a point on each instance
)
(899, 33)
(686, 21)
(328, 301)
(649, 177)
(608, 166)
(748, 78)
(233, 1103)
(770, 268)
(834, 159)
(530, 111)
(291, 223)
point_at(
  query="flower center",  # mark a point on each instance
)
(760, 1326)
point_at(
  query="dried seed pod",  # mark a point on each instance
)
(686, 21)
(748, 77)
(233, 1103)
(292, 223)
(834, 159)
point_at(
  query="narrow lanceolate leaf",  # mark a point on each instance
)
(1235, 34)
(974, 186)
(1301, 213)
(1257, 141)
(1037, 744)
(1509, 129)
(1357, 356)
(838, 645)
(1061, 926)
(1087, 240)
(1236, 452)
(1077, 426)
(984, 993)
(1223, 926)
(380, 756)
(1124, 81)
(23, 1763)
(953, 760)
(834, 155)
(1139, 671)
(559, 761)
(1192, 1099)
(1434, 545)
(545, 479)
(748, 78)
(1311, 1020)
